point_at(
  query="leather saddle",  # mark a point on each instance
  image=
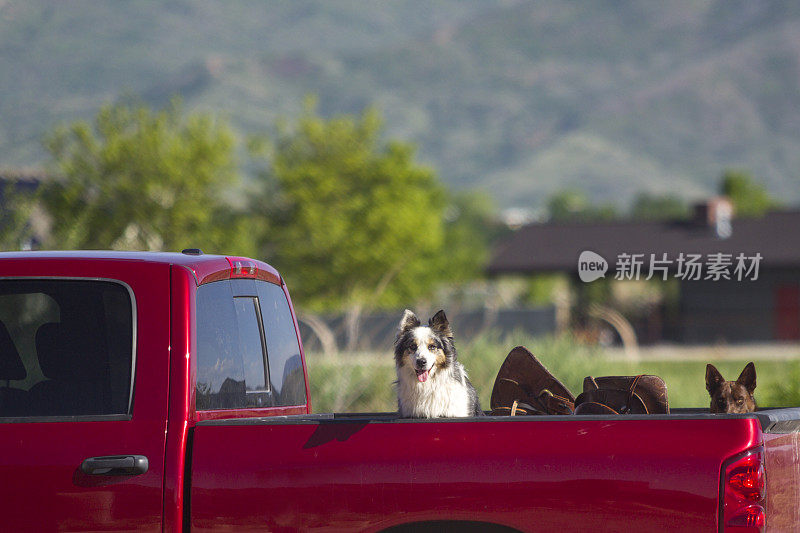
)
(642, 394)
(524, 386)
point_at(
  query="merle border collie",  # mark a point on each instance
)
(430, 382)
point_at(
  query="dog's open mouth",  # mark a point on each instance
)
(422, 375)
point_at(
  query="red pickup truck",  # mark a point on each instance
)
(168, 392)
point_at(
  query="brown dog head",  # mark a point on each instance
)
(732, 396)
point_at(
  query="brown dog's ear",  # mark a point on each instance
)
(408, 321)
(748, 377)
(713, 378)
(440, 324)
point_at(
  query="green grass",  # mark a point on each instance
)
(784, 390)
(362, 382)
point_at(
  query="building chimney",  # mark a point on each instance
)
(715, 213)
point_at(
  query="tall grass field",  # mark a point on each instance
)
(363, 382)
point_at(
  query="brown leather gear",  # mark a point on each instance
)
(523, 379)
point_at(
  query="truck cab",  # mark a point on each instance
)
(98, 389)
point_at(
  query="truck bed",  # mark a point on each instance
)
(772, 419)
(635, 473)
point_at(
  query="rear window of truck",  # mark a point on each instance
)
(247, 349)
(66, 348)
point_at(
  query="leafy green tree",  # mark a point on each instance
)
(470, 228)
(572, 205)
(353, 220)
(659, 207)
(567, 204)
(16, 207)
(143, 179)
(750, 199)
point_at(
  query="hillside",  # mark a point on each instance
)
(519, 98)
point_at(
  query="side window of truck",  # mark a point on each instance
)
(66, 348)
(285, 365)
(247, 349)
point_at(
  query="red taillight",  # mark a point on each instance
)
(748, 478)
(750, 518)
(242, 268)
(744, 493)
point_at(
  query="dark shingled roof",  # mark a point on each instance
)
(556, 246)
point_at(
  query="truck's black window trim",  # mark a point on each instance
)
(45, 419)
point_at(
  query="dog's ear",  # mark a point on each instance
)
(408, 321)
(713, 378)
(440, 324)
(748, 377)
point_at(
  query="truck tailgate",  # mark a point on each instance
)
(554, 474)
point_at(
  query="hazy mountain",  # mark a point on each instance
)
(520, 98)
